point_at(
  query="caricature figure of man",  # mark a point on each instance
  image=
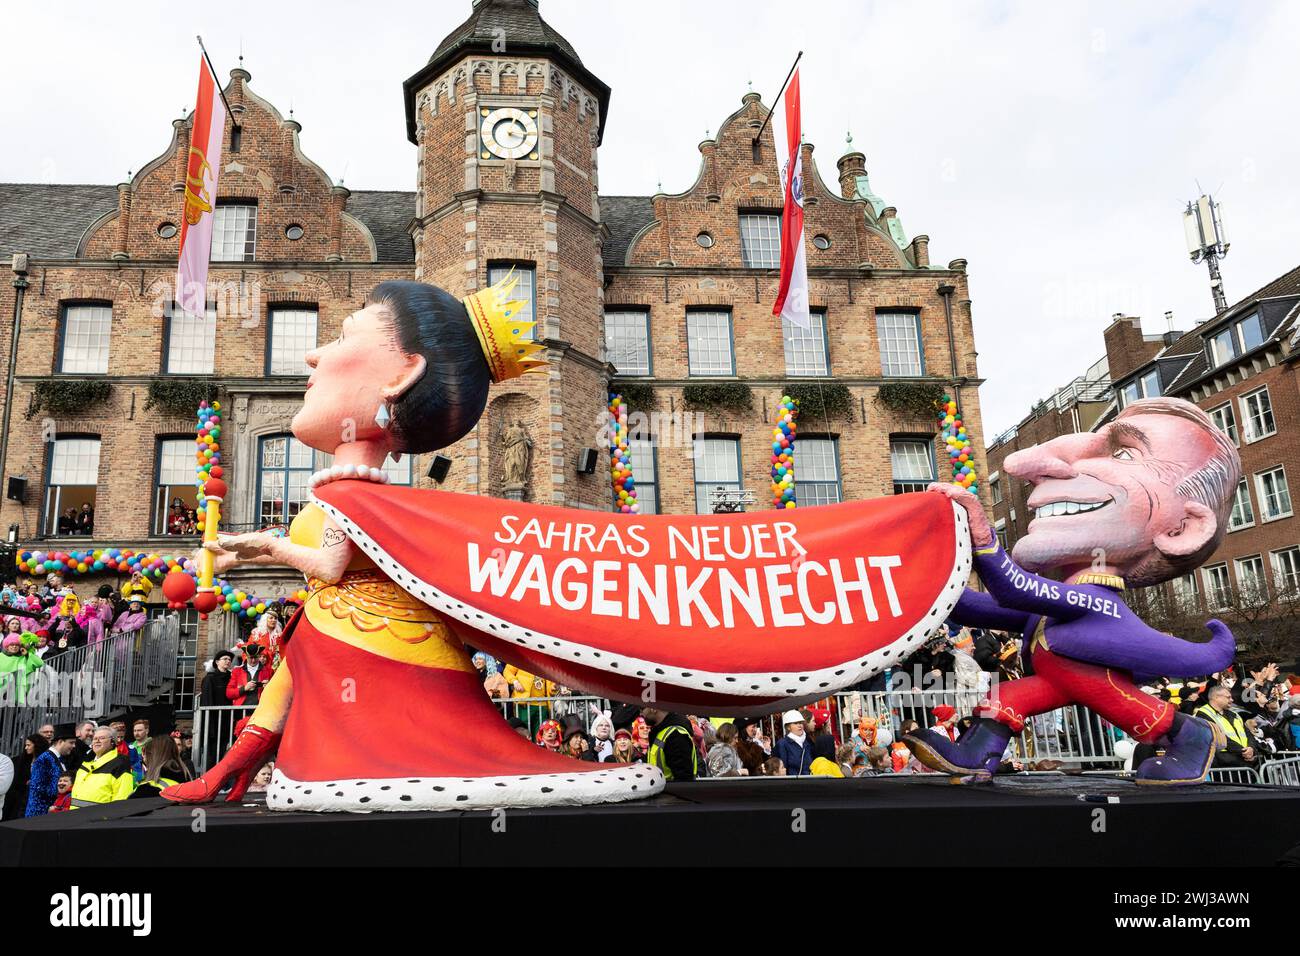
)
(1143, 500)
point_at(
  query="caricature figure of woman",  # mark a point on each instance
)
(377, 705)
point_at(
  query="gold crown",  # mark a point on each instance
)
(503, 335)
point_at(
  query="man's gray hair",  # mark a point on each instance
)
(1214, 485)
(112, 734)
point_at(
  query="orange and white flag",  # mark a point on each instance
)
(206, 135)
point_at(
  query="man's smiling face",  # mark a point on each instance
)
(1114, 490)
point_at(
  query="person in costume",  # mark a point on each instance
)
(408, 373)
(17, 662)
(1138, 502)
(47, 768)
(134, 618)
(250, 678)
(550, 735)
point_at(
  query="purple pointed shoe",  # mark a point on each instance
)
(978, 752)
(1190, 747)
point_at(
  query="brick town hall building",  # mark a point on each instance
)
(660, 294)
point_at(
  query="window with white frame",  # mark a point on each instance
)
(524, 292)
(899, 335)
(1257, 415)
(175, 499)
(1000, 531)
(1286, 570)
(234, 232)
(645, 473)
(191, 342)
(912, 463)
(817, 472)
(760, 240)
(1225, 421)
(292, 335)
(627, 341)
(805, 349)
(1144, 386)
(709, 345)
(73, 481)
(1185, 591)
(1251, 583)
(1218, 589)
(717, 465)
(284, 464)
(1243, 515)
(84, 345)
(1274, 495)
(995, 488)
(1237, 339)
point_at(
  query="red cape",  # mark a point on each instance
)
(710, 613)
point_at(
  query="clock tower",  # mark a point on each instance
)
(507, 122)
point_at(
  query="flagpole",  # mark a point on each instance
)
(774, 102)
(217, 82)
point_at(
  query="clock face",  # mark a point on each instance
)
(508, 133)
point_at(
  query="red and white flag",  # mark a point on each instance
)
(792, 296)
(206, 136)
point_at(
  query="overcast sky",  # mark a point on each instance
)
(1052, 145)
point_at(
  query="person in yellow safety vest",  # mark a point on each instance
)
(672, 745)
(1239, 751)
(162, 767)
(106, 776)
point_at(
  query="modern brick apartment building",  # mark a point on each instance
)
(1240, 367)
(654, 293)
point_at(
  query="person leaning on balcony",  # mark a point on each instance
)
(106, 776)
(1239, 751)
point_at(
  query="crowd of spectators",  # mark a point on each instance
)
(59, 768)
(78, 765)
(44, 619)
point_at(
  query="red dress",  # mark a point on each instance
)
(388, 713)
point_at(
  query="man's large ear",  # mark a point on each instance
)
(1197, 529)
(413, 370)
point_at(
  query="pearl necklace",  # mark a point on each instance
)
(347, 472)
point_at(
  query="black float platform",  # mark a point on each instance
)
(917, 820)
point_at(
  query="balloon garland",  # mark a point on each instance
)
(155, 567)
(958, 443)
(180, 575)
(620, 460)
(787, 418)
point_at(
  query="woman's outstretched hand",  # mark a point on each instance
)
(981, 531)
(235, 549)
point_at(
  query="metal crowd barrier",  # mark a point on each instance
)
(214, 732)
(1071, 735)
(1281, 771)
(1235, 775)
(88, 682)
(534, 710)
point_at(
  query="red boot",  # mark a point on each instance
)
(242, 761)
